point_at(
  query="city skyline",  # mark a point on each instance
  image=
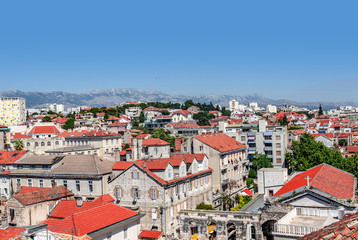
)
(302, 51)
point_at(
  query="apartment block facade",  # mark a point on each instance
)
(12, 111)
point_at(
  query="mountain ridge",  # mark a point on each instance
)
(116, 96)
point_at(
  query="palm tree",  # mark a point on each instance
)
(19, 145)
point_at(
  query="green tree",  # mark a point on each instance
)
(188, 103)
(284, 121)
(307, 153)
(46, 119)
(260, 161)
(164, 135)
(225, 112)
(165, 112)
(126, 146)
(242, 202)
(342, 142)
(320, 110)
(69, 124)
(141, 117)
(203, 206)
(19, 145)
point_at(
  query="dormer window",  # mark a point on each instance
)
(169, 173)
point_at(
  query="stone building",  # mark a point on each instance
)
(227, 158)
(160, 188)
(149, 148)
(4, 137)
(31, 205)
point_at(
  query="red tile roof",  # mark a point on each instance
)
(121, 165)
(90, 219)
(150, 234)
(183, 112)
(11, 233)
(154, 142)
(248, 192)
(68, 207)
(32, 195)
(185, 125)
(188, 158)
(345, 135)
(345, 229)
(100, 114)
(328, 135)
(117, 124)
(142, 136)
(19, 135)
(44, 130)
(9, 157)
(5, 173)
(324, 178)
(351, 149)
(297, 132)
(220, 142)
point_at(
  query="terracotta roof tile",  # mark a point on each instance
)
(121, 165)
(150, 234)
(19, 135)
(90, 220)
(44, 130)
(325, 178)
(154, 142)
(11, 233)
(9, 157)
(220, 142)
(32, 195)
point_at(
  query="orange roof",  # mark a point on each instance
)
(220, 142)
(44, 130)
(142, 136)
(154, 142)
(90, 219)
(19, 135)
(67, 207)
(32, 195)
(324, 178)
(9, 157)
(11, 233)
(150, 234)
(183, 112)
(188, 157)
(121, 165)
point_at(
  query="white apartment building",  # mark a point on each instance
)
(12, 111)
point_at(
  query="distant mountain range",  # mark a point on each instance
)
(111, 97)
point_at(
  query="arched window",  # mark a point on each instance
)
(253, 232)
(28, 144)
(36, 144)
(48, 143)
(42, 144)
(57, 143)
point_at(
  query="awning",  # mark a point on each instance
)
(248, 192)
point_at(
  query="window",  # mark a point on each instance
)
(135, 175)
(28, 144)
(42, 144)
(243, 138)
(278, 160)
(270, 192)
(12, 214)
(253, 232)
(278, 145)
(41, 182)
(48, 143)
(64, 182)
(278, 137)
(182, 170)
(20, 167)
(155, 150)
(125, 233)
(185, 149)
(154, 213)
(78, 186)
(18, 181)
(177, 189)
(153, 194)
(201, 148)
(56, 143)
(169, 173)
(278, 153)
(136, 194)
(118, 193)
(90, 186)
(36, 144)
(29, 182)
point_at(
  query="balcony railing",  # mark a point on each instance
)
(284, 229)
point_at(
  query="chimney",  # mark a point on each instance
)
(117, 156)
(79, 202)
(178, 142)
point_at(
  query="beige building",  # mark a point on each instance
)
(84, 175)
(161, 188)
(227, 158)
(144, 148)
(12, 111)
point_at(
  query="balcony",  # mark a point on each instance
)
(268, 149)
(291, 230)
(268, 141)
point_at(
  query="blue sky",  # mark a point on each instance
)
(299, 50)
